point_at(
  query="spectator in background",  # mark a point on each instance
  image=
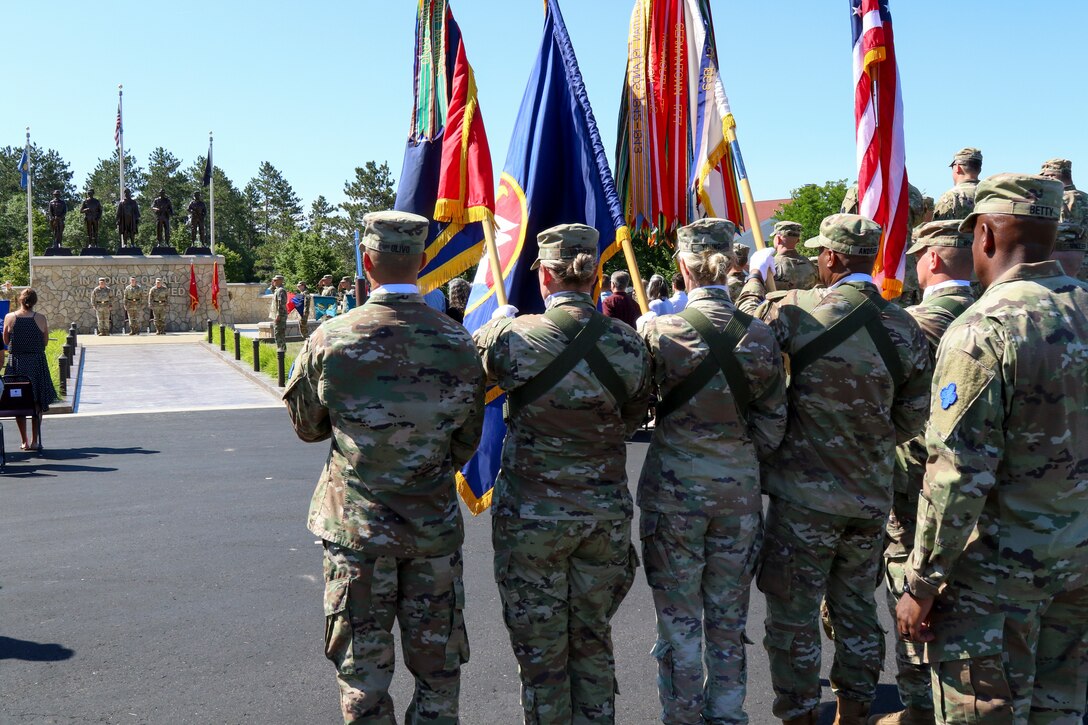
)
(679, 299)
(25, 335)
(459, 289)
(436, 299)
(658, 292)
(619, 304)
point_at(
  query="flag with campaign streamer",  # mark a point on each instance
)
(447, 174)
(194, 293)
(556, 173)
(674, 163)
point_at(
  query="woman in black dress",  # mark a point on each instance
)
(26, 333)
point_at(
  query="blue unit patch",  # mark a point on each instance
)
(949, 396)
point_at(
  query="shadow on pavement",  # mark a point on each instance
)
(26, 464)
(21, 649)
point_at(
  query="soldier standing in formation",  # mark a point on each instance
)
(7, 292)
(278, 313)
(1069, 249)
(102, 301)
(157, 299)
(303, 309)
(793, 269)
(957, 202)
(721, 406)
(91, 209)
(859, 384)
(997, 586)
(385, 505)
(326, 286)
(944, 267)
(134, 305)
(1074, 207)
(561, 521)
(738, 272)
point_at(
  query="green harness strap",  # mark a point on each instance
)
(582, 345)
(865, 314)
(950, 304)
(721, 357)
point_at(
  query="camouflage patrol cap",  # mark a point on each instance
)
(345, 279)
(965, 155)
(787, 229)
(741, 250)
(848, 234)
(103, 279)
(1056, 167)
(706, 235)
(325, 277)
(1019, 194)
(941, 234)
(1071, 238)
(564, 242)
(394, 232)
(279, 277)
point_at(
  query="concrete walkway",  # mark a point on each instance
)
(159, 374)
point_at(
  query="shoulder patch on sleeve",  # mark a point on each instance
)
(962, 379)
(776, 296)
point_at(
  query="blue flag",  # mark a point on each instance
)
(556, 173)
(24, 168)
(323, 306)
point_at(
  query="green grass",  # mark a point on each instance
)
(54, 349)
(268, 354)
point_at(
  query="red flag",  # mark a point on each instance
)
(194, 296)
(215, 285)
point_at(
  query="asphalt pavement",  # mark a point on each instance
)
(157, 568)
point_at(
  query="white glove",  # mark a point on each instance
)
(504, 311)
(640, 323)
(762, 261)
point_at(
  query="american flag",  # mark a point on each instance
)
(117, 130)
(878, 113)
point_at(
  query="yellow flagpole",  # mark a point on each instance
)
(632, 266)
(494, 262)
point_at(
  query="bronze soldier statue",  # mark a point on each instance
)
(197, 211)
(163, 211)
(91, 209)
(57, 210)
(128, 220)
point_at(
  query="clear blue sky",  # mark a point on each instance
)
(319, 88)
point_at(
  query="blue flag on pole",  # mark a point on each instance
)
(24, 168)
(556, 173)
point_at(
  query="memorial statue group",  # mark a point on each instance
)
(127, 219)
(940, 448)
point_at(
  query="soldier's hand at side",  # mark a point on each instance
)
(912, 618)
(762, 263)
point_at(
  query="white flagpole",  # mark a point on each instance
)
(29, 210)
(211, 188)
(120, 146)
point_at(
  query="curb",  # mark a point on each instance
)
(67, 404)
(260, 378)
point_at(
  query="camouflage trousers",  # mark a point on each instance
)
(912, 674)
(303, 326)
(1009, 662)
(160, 319)
(808, 555)
(700, 570)
(103, 315)
(560, 583)
(135, 319)
(279, 333)
(363, 595)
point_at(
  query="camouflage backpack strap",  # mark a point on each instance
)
(581, 345)
(721, 357)
(950, 304)
(865, 314)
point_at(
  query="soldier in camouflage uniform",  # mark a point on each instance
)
(398, 388)
(7, 292)
(1070, 247)
(157, 298)
(738, 273)
(278, 312)
(957, 202)
(858, 387)
(793, 270)
(944, 269)
(102, 301)
(134, 305)
(918, 213)
(702, 514)
(997, 584)
(303, 309)
(562, 511)
(328, 289)
(1074, 201)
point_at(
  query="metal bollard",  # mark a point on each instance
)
(209, 332)
(62, 363)
(69, 352)
(237, 345)
(223, 338)
(281, 376)
(256, 355)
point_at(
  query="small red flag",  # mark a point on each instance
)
(215, 285)
(194, 296)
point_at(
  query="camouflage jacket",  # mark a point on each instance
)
(845, 413)
(793, 270)
(158, 296)
(957, 202)
(133, 295)
(735, 282)
(565, 453)
(278, 309)
(101, 296)
(910, 457)
(1004, 510)
(399, 389)
(1074, 206)
(328, 291)
(704, 457)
